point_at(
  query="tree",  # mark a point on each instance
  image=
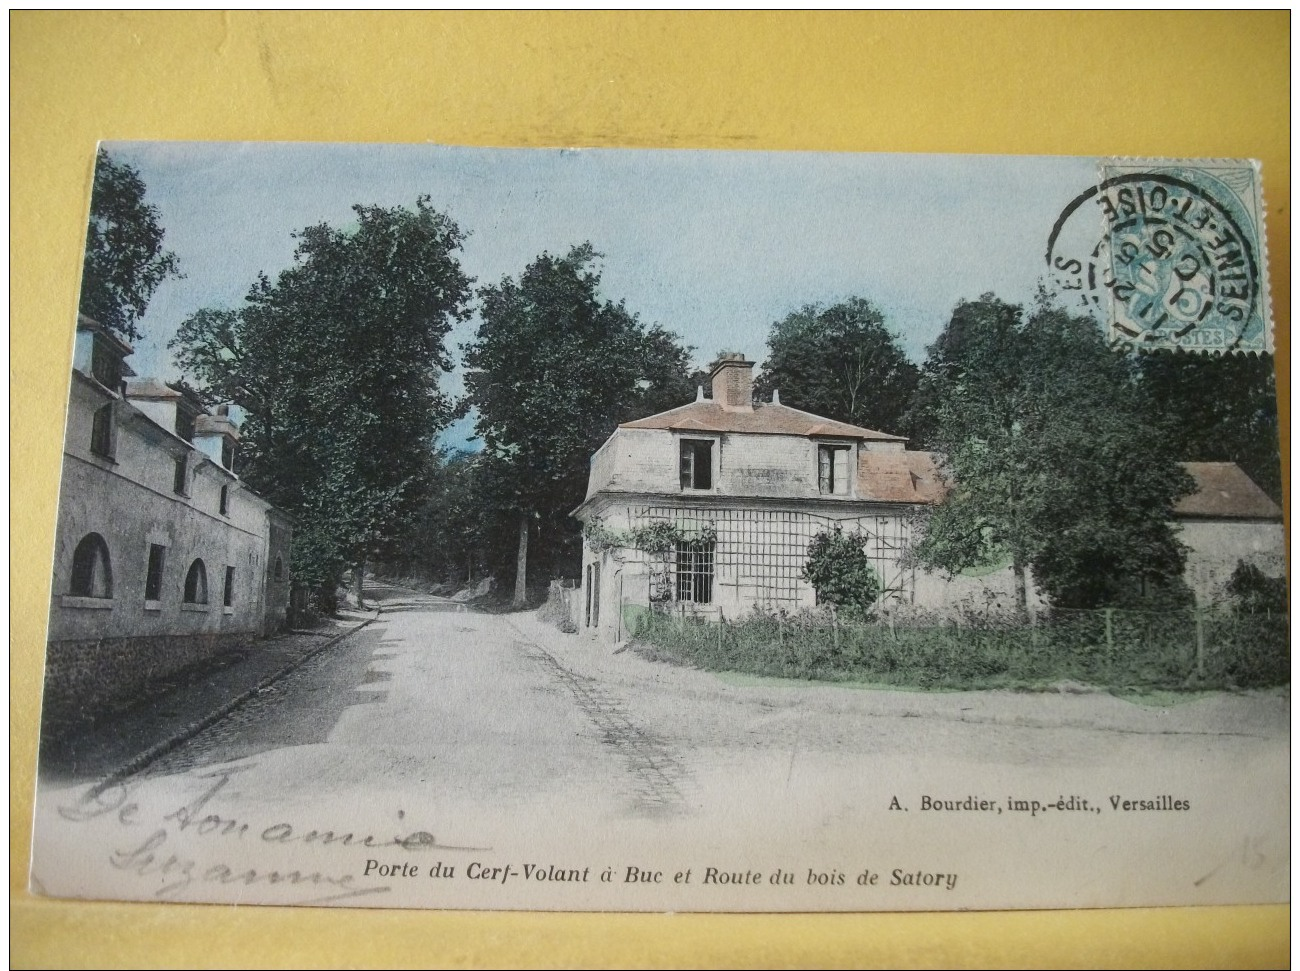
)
(841, 362)
(336, 365)
(446, 538)
(552, 370)
(840, 571)
(124, 261)
(1049, 457)
(1216, 409)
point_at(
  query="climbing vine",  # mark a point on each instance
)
(659, 536)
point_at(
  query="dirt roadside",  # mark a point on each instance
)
(665, 694)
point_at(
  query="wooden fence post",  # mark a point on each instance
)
(1200, 642)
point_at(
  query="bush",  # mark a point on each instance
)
(1254, 593)
(841, 573)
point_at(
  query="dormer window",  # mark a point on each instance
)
(696, 464)
(184, 423)
(105, 365)
(833, 470)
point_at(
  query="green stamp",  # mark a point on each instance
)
(1177, 258)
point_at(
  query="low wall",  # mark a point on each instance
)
(87, 678)
(562, 607)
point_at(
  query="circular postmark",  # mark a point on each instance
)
(1172, 261)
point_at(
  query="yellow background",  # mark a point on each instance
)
(1163, 84)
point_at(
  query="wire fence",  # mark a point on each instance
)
(1111, 648)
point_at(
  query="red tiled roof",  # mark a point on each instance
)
(900, 477)
(763, 419)
(1224, 491)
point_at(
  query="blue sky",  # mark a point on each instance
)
(715, 246)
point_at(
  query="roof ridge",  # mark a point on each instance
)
(823, 418)
(669, 411)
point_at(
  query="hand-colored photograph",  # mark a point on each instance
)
(627, 530)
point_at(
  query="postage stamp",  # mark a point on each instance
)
(1178, 254)
(666, 531)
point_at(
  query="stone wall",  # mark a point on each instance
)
(86, 678)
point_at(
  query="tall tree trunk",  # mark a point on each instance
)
(521, 563)
(1022, 594)
(358, 577)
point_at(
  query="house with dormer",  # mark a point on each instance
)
(739, 489)
(163, 555)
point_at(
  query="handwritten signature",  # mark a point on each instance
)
(175, 872)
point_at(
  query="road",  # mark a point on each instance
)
(446, 738)
(455, 708)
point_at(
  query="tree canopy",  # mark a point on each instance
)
(841, 362)
(1216, 409)
(553, 368)
(124, 261)
(336, 365)
(1051, 460)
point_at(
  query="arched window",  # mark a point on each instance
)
(225, 500)
(91, 574)
(279, 568)
(196, 584)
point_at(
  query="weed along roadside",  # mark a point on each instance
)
(1107, 649)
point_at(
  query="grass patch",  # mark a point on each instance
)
(1146, 655)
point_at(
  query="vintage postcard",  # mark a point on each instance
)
(667, 531)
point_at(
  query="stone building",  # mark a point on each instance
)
(163, 557)
(1226, 521)
(739, 489)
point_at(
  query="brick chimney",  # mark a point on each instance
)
(733, 382)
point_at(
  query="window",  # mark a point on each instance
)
(153, 581)
(228, 596)
(101, 432)
(833, 469)
(91, 574)
(196, 584)
(105, 365)
(228, 454)
(225, 500)
(695, 572)
(184, 422)
(697, 464)
(180, 480)
(279, 569)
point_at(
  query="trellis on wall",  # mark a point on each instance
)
(760, 553)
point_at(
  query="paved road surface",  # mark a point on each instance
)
(495, 740)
